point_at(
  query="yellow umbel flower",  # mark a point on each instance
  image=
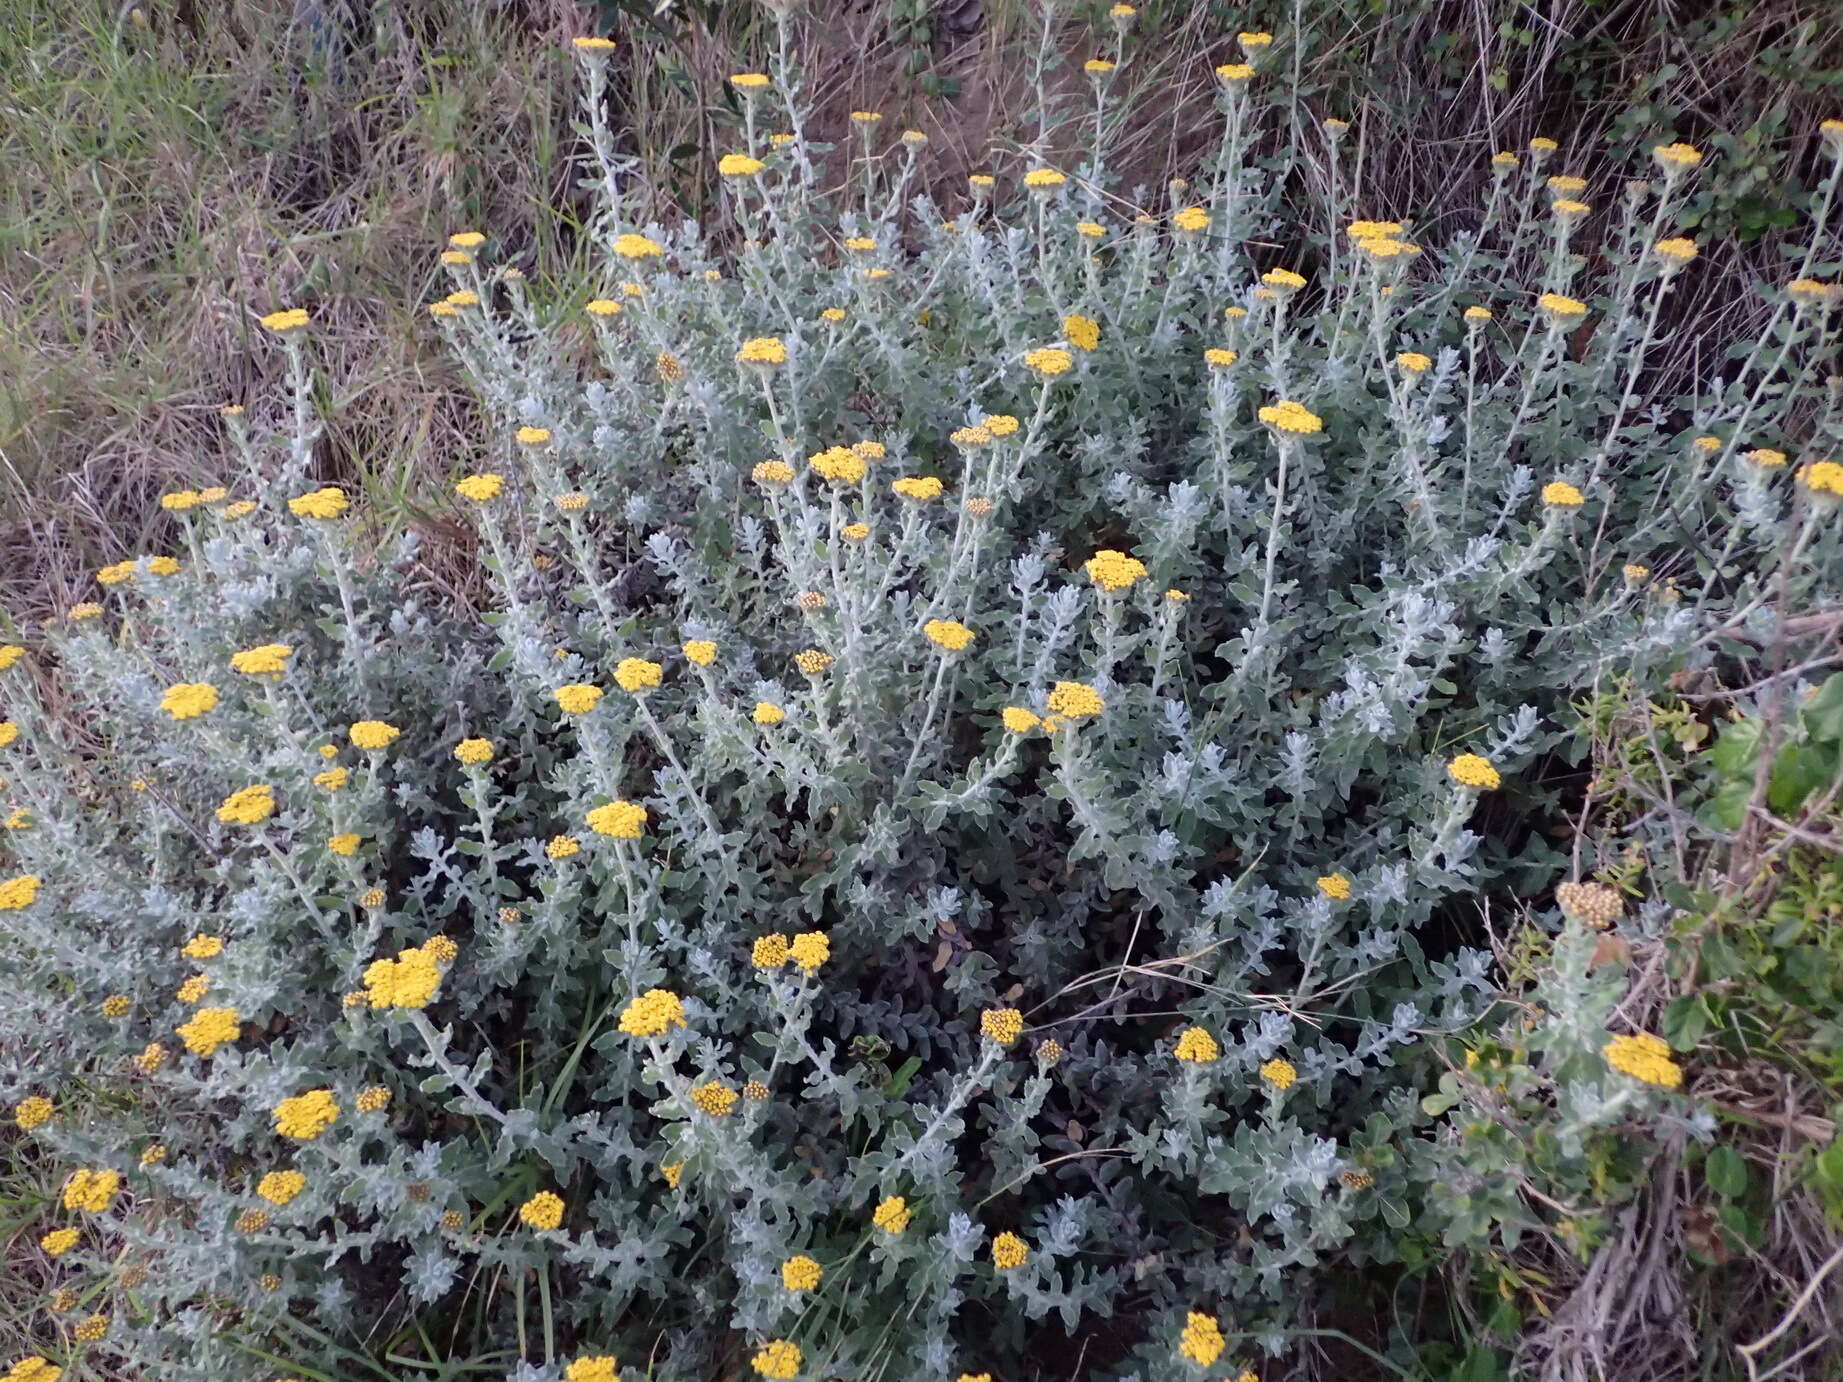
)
(409, 981)
(33, 1112)
(481, 488)
(778, 1359)
(892, 1215)
(1766, 458)
(1112, 570)
(770, 951)
(1197, 1046)
(1471, 770)
(768, 713)
(1644, 1057)
(1001, 1025)
(949, 634)
(1414, 362)
(593, 1369)
(1048, 361)
(1074, 700)
(1675, 251)
(57, 1243)
(771, 473)
(563, 847)
(1559, 494)
(1043, 179)
(1560, 310)
(652, 1014)
(620, 820)
(764, 351)
(1202, 1340)
(474, 752)
(636, 674)
(578, 698)
(1009, 1251)
(637, 247)
(279, 1187)
(1019, 720)
(739, 166)
(189, 699)
(327, 502)
(543, 1211)
(373, 1098)
(1293, 418)
(251, 806)
(203, 947)
(810, 949)
(333, 779)
(918, 487)
(1283, 280)
(374, 734)
(1084, 333)
(750, 81)
(1191, 220)
(801, 1273)
(714, 1098)
(1823, 478)
(1677, 158)
(700, 651)
(1477, 316)
(305, 1116)
(16, 894)
(812, 662)
(841, 465)
(1234, 74)
(269, 660)
(1335, 886)
(1280, 1074)
(854, 532)
(210, 1028)
(1219, 358)
(289, 319)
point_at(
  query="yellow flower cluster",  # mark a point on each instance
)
(474, 752)
(762, 350)
(637, 247)
(1019, 720)
(1335, 886)
(715, 1098)
(1280, 1074)
(374, 734)
(481, 488)
(1112, 570)
(305, 1116)
(1084, 333)
(1559, 309)
(193, 989)
(1192, 219)
(700, 651)
(1644, 1057)
(409, 981)
(1049, 362)
(1471, 770)
(592, 1369)
(16, 894)
(778, 1359)
(210, 1028)
(739, 166)
(203, 947)
(1559, 494)
(812, 662)
(918, 487)
(768, 713)
(250, 806)
(1009, 1251)
(949, 634)
(1202, 1340)
(578, 698)
(1291, 417)
(373, 1098)
(842, 465)
(279, 1187)
(892, 1215)
(269, 660)
(1075, 700)
(621, 820)
(32, 1112)
(189, 699)
(543, 1210)
(801, 1273)
(1001, 1025)
(1196, 1046)
(287, 320)
(636, 674)
(327, 502)
(91, 1191)
(1823, 478)
(652, 1013)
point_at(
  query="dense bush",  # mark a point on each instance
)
(961, 825)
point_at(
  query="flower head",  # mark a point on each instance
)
(269, 660)
(892, 1215)
(91, 1191)
(592, 1369)
(1202, 1341)
(1216, 357)
(1335, 886)
(1280, 1074)
(1074, 700)
(279, 1187)
(1234, 74)
(1592, 904)
(578, 698)
(1043, 179)
(1191, 220)
(481, 488)
(765, 351)
(286, 321)
(1084, 333)
(1001, 1025)
(1009, 1251)
(739, 166)
(812, 662)
(770, 951)
(1471, 770)
(768, 713)
(1560, 310)
(636, 674)
(620, 820)
(1559, 494)
(801, 1273)
(1644, 1057)
(637, 247)
(918, 487)
(769, 474)
(714, 1098)
(373, 734)
(1676, 251)
(474, 752)
(653, 1013)
(32, 1112)
(1112, 570)
(1197, 1046)
(777, 1359)
(251, 806)
(543, 1211)
(1292, 418)
(1414, 362)
(1677, 158)
(810, 949)
(1823, 479)
(949, 634)
(210, 1028)
(841, 465)
(1766, 458)
(1018, 720)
